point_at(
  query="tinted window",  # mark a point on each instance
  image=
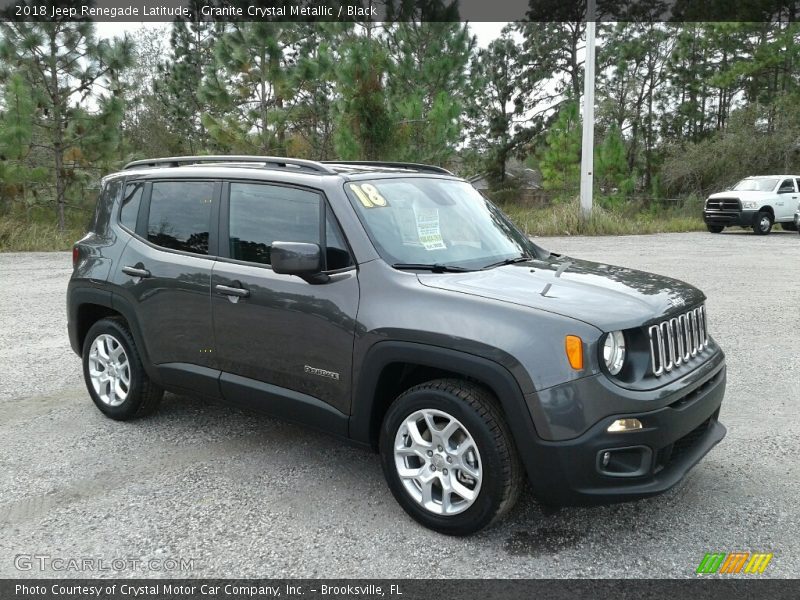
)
(180, 215)
(102, 212)
(262, 214)
(337, 254)
(786, 186)
(130, 205)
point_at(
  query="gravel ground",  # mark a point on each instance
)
(247, 496)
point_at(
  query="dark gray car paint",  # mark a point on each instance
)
(514, 317)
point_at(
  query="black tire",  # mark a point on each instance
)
(762, 224)
(479, 412)
(143, 396)
(715, 228)
(789, 227)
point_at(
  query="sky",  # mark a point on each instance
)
(485, 32)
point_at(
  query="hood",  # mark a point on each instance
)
(742, 195)
(605, 296)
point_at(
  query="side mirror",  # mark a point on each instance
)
(297, 258)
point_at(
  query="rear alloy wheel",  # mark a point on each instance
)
(762, 224)
(448, 456)
(114, 375)
(715, 228)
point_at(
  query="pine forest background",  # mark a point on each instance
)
(682, 110)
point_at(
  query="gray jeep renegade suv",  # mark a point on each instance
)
(393, 305)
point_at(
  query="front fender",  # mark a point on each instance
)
(490, 373)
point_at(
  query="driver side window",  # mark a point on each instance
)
(260, 214)
(787, 186)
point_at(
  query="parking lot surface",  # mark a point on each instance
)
(237, 495)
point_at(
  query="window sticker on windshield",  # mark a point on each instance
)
(428, 228)
(368, 195)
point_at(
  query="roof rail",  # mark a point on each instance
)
(267, 161)
(395, 165)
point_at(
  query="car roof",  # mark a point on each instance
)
(769, 176)
(267, 167)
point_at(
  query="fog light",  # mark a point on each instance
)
(624, 425)
(606, 458)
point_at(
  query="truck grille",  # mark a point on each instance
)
(723, 204)
(677, 340)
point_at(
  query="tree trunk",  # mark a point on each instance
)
(58, 133)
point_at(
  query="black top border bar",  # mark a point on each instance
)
(401, 10)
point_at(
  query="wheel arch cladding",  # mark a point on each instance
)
(388, 362)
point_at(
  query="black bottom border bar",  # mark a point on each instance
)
(729, 588)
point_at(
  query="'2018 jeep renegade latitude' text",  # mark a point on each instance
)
(392, 304)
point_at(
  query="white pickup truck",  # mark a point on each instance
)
(756, 202)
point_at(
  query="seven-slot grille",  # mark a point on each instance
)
(677, 340)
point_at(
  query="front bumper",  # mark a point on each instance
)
(729, 218)
(673, 439)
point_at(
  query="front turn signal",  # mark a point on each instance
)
(574, 347)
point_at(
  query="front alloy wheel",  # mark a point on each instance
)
(438, 462)
(449, 457)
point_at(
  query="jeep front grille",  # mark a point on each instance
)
(677, 340)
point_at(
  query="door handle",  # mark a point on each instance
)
(237, 292)
(136, 272)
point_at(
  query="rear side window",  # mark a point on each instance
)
(261, 214)
(180, 215)
(131, 200)
(105, 202)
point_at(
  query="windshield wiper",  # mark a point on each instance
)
(508, 261)
(433, 268)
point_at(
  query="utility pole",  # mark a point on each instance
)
(587, 146)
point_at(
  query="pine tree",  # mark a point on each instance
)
(311, 123)
(426, 83)
(611, 172)
(67, 71)
(364, 123)
(184, 74)
(251, 87)
(496, 103)
(561, 158)
(151, 127)
(17, 170)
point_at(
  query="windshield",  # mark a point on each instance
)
(418, 221)
(756, 185)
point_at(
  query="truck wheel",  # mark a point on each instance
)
(448, 456)
(762, 224)
(715, 228)
(114, 375)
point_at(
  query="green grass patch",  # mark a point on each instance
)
(18, 235)
(624, 219)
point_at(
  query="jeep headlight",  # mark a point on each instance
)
(749, 203)
(614, 352)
